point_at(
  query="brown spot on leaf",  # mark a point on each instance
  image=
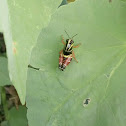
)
(14, 47)
(14, 50)
(14, 43)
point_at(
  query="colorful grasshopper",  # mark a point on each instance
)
(67, 53)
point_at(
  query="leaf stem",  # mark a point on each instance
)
(4, 102)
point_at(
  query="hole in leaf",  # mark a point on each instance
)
(33, 67)
(86, 102)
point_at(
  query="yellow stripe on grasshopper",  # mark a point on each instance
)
(70, 47)
(66, 56)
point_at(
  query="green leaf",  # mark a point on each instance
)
(4, 123)
(55, 97)
(123, 0)
(22, 21)
(0, 24)
(4, 75)
(18, 117)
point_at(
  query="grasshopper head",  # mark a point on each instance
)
(69, 44)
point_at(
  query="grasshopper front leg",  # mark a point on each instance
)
(77, 45)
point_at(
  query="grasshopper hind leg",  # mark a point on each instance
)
(61, 60)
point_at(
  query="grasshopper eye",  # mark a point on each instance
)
(71, 42)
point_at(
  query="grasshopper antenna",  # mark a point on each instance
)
(67, 34)
(74, 36)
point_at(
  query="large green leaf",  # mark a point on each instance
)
(4, 75)
(16, 117)
(22, 22)
(55, 98)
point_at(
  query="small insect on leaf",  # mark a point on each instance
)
(86, 102)
(67, 53)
